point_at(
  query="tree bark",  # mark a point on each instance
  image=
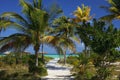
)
(36, 48)
(85, 50)
(64, 57)
(36, 61)
(42, 53)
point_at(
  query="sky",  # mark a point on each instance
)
(68, 6)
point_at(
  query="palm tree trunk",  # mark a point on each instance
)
(85, 50)
(42, 53)
(60, 56)
(36, 48)
(36, 59)
(65, 50)
(64, 57)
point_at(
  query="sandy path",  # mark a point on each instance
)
(57, 71)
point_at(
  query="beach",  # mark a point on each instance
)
(57, 71)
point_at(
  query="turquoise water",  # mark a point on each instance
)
(2, 55)
(56, 55)
(51, 55)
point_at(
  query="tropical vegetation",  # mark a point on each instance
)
(38, 26)
(114, 9)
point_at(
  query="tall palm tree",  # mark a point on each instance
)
(114, 9)
(32, 28)
(82, 15)
(65, 29)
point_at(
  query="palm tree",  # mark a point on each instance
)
(65, 29)
(32, 28)
(82, 15)
(114, 10)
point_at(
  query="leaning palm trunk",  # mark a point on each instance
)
(60, 56)
(36, 48)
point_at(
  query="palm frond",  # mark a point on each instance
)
(68, 43)
(39, 4)
(82, 14)
(54, 40)
(4, 24)
(108, 18)
(27, 7)
(15, 41)
(12, 15)
(114, 10)
(54, 11)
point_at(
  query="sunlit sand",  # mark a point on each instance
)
(57, 71)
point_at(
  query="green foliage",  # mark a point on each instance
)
(8, 72)
(3, 74)
(24, 70)
(86, 72)
(114, 9)
(40, 70)
(9, 59)
(82, 14)
(47, 59)
(104, 73)
(100, 38)
(72, 60)
(17, 76)
(25, 59)
(33, 28)
(14, 58)
(115, 55)
(83, 67)
(104, 39)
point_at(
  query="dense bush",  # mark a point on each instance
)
(40, 70)
(83, 67)
(85, 72)
(9, 59)
(24, 70)
(47, 59)
(72, 60)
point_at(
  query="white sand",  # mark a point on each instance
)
(57, 71)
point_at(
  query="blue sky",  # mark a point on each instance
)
(68, 7)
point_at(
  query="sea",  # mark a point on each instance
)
(58, 56)
(52, 55)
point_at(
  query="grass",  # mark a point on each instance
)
(9, 72)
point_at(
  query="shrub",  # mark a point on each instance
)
(9, 59)
(85, 72)
(3, 74)
(40, 70)
(25, 59)
(47, 59)
(72, 60)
